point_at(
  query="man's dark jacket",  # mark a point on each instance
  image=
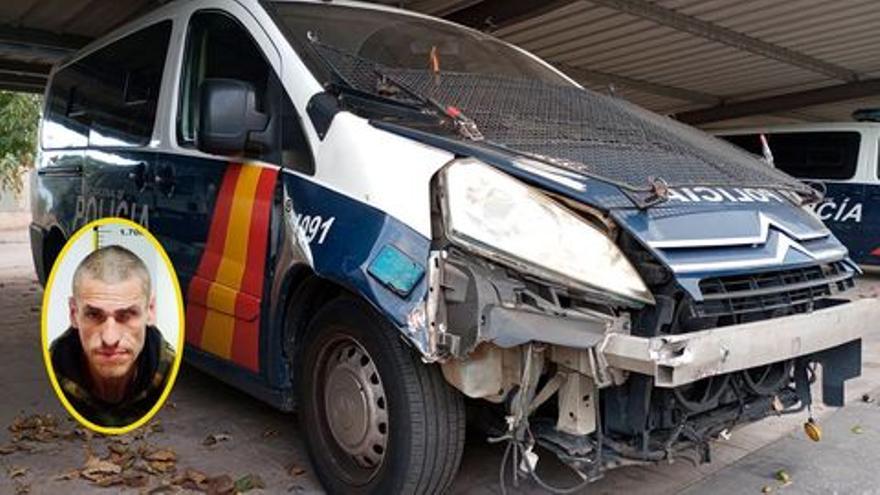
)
(153, 365)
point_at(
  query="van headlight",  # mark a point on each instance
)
(488, 212)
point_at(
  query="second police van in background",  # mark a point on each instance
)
(843, 156)
(375, 215)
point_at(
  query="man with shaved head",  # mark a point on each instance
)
(112, 363)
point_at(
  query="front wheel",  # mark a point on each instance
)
(376, 418)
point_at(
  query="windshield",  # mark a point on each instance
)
(501, 97)
(400, 41)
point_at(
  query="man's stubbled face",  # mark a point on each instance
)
(112, 319)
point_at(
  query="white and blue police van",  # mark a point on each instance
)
(843, 158)
(378, 217)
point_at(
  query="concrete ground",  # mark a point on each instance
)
(250, 438)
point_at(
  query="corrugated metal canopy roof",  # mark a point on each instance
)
(34, 34)
(712, 62)
(721, 57)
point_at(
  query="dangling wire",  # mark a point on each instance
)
(518, 450)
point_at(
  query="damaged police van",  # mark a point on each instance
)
(378, 217)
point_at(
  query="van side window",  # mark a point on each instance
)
(218, 46)
(808, 155)
(109, 97)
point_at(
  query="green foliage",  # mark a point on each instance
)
(19, 119)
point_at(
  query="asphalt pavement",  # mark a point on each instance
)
(210, 435)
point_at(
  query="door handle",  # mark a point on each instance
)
(138, 175)
(61, 170)
(165, 179)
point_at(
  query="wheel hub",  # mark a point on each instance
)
(354, 401)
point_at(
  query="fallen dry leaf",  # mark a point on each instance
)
(8, 449)
(69, 475)
(22, 488)
(858, 430)
(118, 448)
(191, 479)
(783, 476)
(36, 427)
(161, 455)
(16, 471)
(249, 482)
(296, 470)
(97, 469)
(767, 489)
(33, 421)
(215, 438)
(124, 460)
(112, 480)
(162, 466)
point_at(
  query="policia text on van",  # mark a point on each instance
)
(375, 214)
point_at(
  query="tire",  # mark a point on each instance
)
(376, 419)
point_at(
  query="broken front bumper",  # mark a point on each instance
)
(676, 360)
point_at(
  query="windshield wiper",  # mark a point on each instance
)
(463, 124)
(387, 90)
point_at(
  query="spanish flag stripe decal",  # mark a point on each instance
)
(197, 292)
(223, 314)
(219, 223)
(245, 345)
(252, 282)
(235, 254)
(221, 296)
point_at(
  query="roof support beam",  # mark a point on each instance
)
(489, 15)
(15, 79)
(41, 39)
(721, 34)
(599, 77)
(23, 69)
(24, 83)
(782, 103)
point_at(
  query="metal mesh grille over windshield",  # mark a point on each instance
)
(579, 129)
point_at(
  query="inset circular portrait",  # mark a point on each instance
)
(112, 325)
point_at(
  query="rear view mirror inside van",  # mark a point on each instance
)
(228, 116)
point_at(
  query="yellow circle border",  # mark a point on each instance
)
(47, 359)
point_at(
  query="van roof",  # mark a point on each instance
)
(810, 127)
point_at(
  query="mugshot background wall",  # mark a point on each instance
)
(105, 235)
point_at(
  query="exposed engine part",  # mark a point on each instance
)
(519, 437)
(472, 301)
(489, 372)
(577, 405)
(766, 380)
(702, 395)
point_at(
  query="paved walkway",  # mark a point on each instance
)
(846, 461)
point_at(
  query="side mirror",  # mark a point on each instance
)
(227, 116)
